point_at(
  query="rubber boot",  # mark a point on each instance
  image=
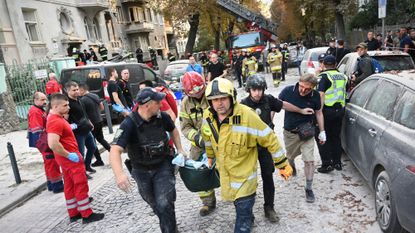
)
(209, 204)
(271, 215)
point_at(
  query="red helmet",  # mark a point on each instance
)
(193, 84)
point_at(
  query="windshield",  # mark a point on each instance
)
(247, 40)
(176, 69)
(395, 62)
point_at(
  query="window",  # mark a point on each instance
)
(140, 13)
(30, 20)
(406, 110)
(95, 27)
(160, 18)
(148, 15)
(381, 105)
(342, 65)
(120, 17)
(132, 14)
(149, 75)
(88, 35)
(361, 93)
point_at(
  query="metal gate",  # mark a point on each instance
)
(24, 80)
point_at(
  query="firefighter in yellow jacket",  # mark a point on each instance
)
(193, 105)
(231, 132)
(249, 66)
(274, 60)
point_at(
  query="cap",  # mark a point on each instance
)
(332, 40)
(146, 94)
(321, 57)
(329, 60)
(362, 45)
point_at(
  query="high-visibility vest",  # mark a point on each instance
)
(337, 91)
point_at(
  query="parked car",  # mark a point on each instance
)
(390, 61)
(378, 136)
(174, 73)
(310, 63)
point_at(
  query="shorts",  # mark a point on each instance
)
(295, 147)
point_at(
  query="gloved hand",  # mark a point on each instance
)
(199, 141)
(286, 172)
(74, 126)
(322, 136)
(73, 157)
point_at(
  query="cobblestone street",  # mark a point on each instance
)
(344, 203)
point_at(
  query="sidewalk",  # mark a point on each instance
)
(30, 164)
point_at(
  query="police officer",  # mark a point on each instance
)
(249, 66)
(274, 60)
(145, 133)
(190, 123)
(266, 106)
(103, 52)
(239, 129)
(332, 88)
(285, 57)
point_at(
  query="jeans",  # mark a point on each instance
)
(99, 136)
(88, 141)
(157, 188)
(244, 215)
(267, 169)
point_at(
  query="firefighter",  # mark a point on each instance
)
(37, 125)
(275, 61)
(249, 66)
(240, 130)
(103, 52)
(193, 105)
(285, 56)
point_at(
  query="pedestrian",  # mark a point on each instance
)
(125, 87)
(191, 116)
(275, 62)
(103, 52)
(266, 106)
(320, 68)
(93, 108)
(249, 66)
(216, 69)
(76, 55)
(237, 66)
(285, 57)
(81, 125)
(408, 44)
(118, 102)
(94, 56)
(379, 38)
(153, 57)
(63, 143)
(139, 55)
(299, 129)
(52, 86)
(86, 57)
(231, 133)
(372, 42)
(205, 62)
(332, 89)
(301, 49)
(144, 134)
(332, 47)
(193, 66)
(341, 51)
(36, 120)
(389, 41)
(364, 66)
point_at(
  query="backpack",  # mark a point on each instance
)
(376, 66)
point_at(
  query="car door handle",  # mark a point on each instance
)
(352, 120)
(372, 132)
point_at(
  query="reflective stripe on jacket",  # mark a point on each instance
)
(337, 91)
(275, 60)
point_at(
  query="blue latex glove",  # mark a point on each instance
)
(118, 108)
(73, 157)
(179, 160)
(74, 126)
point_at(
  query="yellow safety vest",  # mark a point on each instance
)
(337, 91)
(275, 60)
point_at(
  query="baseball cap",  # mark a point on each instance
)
(321, 57)
(146, 94)
(329, 60)
(362, 45)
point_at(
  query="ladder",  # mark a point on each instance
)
(241, 11)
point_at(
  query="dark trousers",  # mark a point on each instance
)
(284, 70)
(267, 169)
(99, 136)
(244, 214)
(331, 151)
(157, 188)
(87, 141)
(238, 74)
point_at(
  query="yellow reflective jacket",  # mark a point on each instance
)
(236, 152)
(275, 60)
(251, 64)
(191, 113)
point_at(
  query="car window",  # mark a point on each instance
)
(342, 65)
(395, 62)
(405, 114)
(306, 55)
(92, 77)
(149, 75)
(314, 55)
(383, 100)
(362, 92)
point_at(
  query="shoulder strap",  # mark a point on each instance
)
(212, 128)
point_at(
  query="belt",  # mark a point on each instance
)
(292, 130)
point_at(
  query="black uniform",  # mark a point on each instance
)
(264, 108)
(126, 91)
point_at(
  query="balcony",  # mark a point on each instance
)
(137, 27)
(92, 5)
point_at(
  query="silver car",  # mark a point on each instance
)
(378, 135)
(310, 64)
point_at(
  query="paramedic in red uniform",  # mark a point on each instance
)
(52, 86)
(63, 143)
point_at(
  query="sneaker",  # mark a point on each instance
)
(93, 218)
(309, 196)
(90, 170)
(75, 218)
(88, 176)
(292, 164)
(97, 163)
(205, 210)
(325, 169)
(271, 215)
(338, 167)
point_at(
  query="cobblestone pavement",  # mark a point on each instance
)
(344, 203)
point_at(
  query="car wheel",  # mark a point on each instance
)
(385, 205)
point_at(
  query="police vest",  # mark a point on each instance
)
(337, 91)
(152, 147)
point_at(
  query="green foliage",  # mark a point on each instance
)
(366, 18)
